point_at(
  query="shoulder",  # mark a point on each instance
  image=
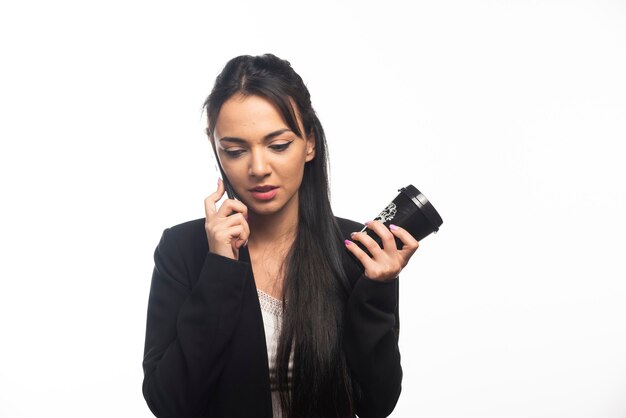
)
(187, 229)
(186, 240)
(347, 225)
(352, 267)
(190, 233)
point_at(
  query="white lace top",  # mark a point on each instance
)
(272, 309)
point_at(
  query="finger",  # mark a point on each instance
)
(240, 243)
(231, 234)
(388, 241)
(360, 255)
(238, 220)
(369, 243)
(246, 232)
(410, 244)
(242, 238)
(235, 252)
(231, 205)
(230, 221)
(213, 198)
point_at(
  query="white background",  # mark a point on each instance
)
(510, 116)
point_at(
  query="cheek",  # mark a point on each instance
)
(294, 174)
(232, 170)
(295, 170)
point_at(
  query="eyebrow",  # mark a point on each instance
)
(265, 138)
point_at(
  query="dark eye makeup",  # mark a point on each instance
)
(281, 147)
(235, 153)
(275, 147)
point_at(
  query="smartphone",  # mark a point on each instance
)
(229, 189)
(218, 168)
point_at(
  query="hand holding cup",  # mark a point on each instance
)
(384, 263)
(385, 245)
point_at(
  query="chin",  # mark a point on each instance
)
(264, 209)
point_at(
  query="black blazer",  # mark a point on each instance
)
(205, 353)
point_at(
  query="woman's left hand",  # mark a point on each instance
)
(387, 262)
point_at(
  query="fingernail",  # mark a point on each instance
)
(218, 181)
(347, 241)
(393, 227)
(352, 234)
(366, 222)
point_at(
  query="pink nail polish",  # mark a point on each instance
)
(347, 241)
(393, 227)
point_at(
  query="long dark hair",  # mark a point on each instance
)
(315, 284)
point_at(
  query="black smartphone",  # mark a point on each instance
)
(218, 167)
(229, 189)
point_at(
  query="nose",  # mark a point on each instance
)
(259, 166)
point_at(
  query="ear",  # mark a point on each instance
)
(310, 147)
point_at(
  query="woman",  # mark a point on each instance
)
(258, 310)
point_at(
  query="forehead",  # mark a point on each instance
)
(248, 117)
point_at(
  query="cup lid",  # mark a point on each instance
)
(424, 205)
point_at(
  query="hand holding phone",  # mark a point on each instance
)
(227, 228)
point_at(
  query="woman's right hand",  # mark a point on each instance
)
(226, 231)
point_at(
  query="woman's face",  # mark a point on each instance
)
(262, 158)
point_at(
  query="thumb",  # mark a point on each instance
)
(235, 249)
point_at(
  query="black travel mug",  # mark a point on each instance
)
(410, 210)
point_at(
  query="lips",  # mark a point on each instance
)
(263, 189)
(264, 193)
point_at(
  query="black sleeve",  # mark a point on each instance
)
(188, 328)
(371, 346)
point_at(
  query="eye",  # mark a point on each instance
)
(234, 153)
(280, 147)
